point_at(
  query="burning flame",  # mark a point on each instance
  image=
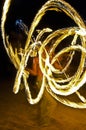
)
(55, 79)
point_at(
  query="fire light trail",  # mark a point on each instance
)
(57, 81)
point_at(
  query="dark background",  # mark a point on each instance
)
(15, 112)
(26, 10)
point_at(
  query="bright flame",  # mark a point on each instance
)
(55, 79)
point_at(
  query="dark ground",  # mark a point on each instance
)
(48, 114)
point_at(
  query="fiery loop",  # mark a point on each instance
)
(55, 79)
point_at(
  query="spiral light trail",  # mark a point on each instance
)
(56, 79)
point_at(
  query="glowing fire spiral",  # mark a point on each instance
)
(58, 82)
